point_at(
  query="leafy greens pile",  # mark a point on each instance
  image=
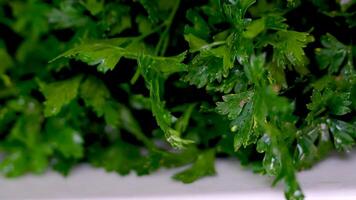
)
(139, 85)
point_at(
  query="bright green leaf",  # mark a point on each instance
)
(59, 94)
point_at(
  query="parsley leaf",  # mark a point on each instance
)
(66, 140)
(333, 55)
(163, 117)
(288, 49)
(59, 94)
(163, 84)
(120, 157)
(203, 166)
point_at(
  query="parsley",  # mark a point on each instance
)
(134, 86)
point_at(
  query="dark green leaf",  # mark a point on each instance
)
(332, 55)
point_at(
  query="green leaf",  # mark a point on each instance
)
(353, 96)
(224, 53)
(233, 104)
(159, 158)
(95, 94)
(111, 113)
(254, 70)
(204, 131)
(236, 10)
(18, 162)
(21, 160)
(236, 81)
(239, 108)
(23, 148)
(183, 122)
(195, 43)
(333, 55)
(116, 18)
(59, 94)
(151, 7)
(67, 15)
(243, 125)
(64, 165)
(140, 102)
(31, 18)
(257, 26)
(335, 102)
(200, 28)
(107, 53)
(26, 130)
(144, 24)
(102, 53)
(214, 12)
(278, 107)
(344, 134)
(339, 105)
(204, 69)
(313, 144)
(163, 117)
(129, 123)
(120, 157)
(94, 6)
(64, 139)
(254, 28)
(159, 10)
(288, 49)
(279, 162)
(6, 59)
(203, 166)
(275, 22)
(241, 47)
(168, 65)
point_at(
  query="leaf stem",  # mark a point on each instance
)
(208, 46)
(156, 29)
(164, 39)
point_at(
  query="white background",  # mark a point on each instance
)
(332, 179)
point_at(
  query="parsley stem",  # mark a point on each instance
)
(141, 37)
(145, 140)
(135, 76)
(164, 40)
(156, 29)
(208, 46)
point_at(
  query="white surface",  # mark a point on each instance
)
(332, 179)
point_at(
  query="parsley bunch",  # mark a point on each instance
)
(139, 85)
